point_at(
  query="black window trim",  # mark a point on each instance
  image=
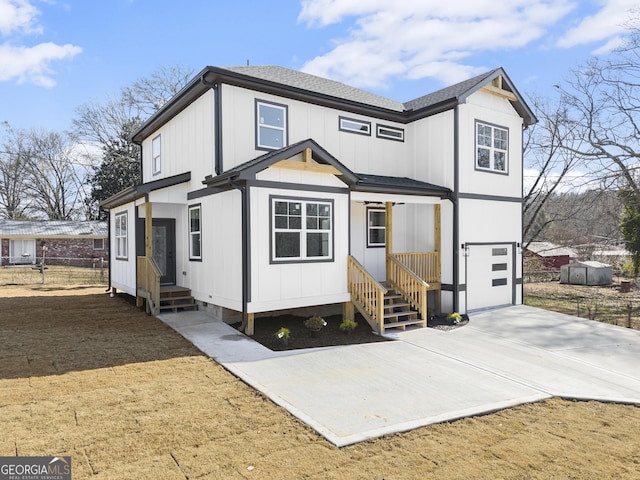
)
(380, 126)
(256, 123)
(189, 208)
(272, 259)
(475, 148)
(350, 130)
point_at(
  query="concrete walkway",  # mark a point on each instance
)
(502, 358)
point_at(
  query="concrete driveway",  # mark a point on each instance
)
(501, 358)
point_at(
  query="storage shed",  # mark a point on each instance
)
(586, 273)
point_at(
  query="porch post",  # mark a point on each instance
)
(437, 233)
(148, 230)
(388, 244)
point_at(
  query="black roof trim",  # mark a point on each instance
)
(137, 191)
(248, 170)
(400, 186)
(431, 104)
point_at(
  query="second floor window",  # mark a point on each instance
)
(492, 144)
(271, 128)
(156, 157)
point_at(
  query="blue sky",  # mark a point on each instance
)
(56, 55)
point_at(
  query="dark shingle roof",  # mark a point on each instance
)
(52, 228)
(369, 182)
(313, 83)
(448, 93)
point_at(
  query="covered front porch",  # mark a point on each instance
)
(394, 273)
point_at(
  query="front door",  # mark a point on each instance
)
(164, 246)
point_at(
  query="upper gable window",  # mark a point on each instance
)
(354, 126)
(156, 157)
(492, 147)
(390, 133)
(271, 128)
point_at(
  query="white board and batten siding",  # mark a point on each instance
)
(359, 153)
(186, 142)
(278, 286)
(123, 270)
(217, 278)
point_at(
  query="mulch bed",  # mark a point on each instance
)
(329, 336)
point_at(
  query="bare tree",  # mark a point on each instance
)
(109, 125)
(546, 155)
(54, 180)
(149, 94)
(45, 179)
(13, 201)
(603, 98)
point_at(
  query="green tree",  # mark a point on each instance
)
(119, 169)
(630, 225)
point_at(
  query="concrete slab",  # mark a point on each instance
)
(502, 358)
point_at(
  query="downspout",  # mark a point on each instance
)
(217, 123)
(246, 286)
(456, 212)
(109, 250)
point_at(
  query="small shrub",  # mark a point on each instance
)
(315, 323)
(454, 317)
(348, 326)
(283, 334)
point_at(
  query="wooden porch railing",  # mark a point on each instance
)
(367, 294)
(408, 284)
(425, 265)
(148, 283)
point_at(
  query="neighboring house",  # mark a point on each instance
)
(67, 242)
(551, 255)
(267, 189)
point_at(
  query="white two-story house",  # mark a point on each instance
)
(266, 189)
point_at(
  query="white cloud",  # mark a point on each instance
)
(32, 63)
(27, 63)
(423, 38)
(18, 16)
(606, 25)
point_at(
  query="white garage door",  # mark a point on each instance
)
(489, 276)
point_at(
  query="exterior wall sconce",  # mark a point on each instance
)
(466, 249)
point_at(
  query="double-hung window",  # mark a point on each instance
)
(156, 155)
(492, 145)
(376, 227)
(195, 233)
(121, 236)
(301, 230)
(271, 128)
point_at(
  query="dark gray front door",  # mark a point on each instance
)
(164, 247)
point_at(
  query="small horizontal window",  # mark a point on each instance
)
(497, 267)
(499, 282)
(497, 252)
(390, 133)
(355, 126)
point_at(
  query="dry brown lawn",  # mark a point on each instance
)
(90, 376)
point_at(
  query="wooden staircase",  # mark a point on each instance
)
(176, 298)
(398, 313)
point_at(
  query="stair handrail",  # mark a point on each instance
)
(367, 294)
(149, 279)
(408, 284)
(424, 264)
